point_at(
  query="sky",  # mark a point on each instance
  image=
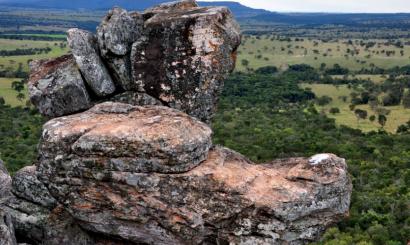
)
(350, 6)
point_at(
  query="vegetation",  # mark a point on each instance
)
(15, 55)
(338, 55)
(10, 88)
(272, 117)
(20, 130)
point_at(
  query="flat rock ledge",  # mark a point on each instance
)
(127, 138)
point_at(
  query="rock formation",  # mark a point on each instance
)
(178, 54)
(128, 157)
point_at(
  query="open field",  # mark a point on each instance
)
(268, 50)
(10, 94)
(58, 48)
(398, 116)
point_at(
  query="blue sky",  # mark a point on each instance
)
(361, 6)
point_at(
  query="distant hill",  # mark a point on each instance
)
(245, 15)
(385, 20)
(238, 9)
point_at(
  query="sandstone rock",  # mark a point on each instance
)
(116, 33)
(56, 87)
(84, 47)
(33, 214)
(38, 225)
(185, 55)
(226, 199)
(127, 138)
(27, 186)
(7, 236)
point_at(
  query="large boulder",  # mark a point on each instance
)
(226, 199)
(176, 53)
(56, 87)
(126, 138)
(185, 55)
(116, 34)
(84, 47)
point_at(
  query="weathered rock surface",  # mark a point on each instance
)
(116, 34)
(177, 53)
(225, 199)
(34, 214)
(56, 87)
(84, 47)
(136, 98)
(185, 56)
(127, 138)
(5, 182)
(7, 236)
(27, 186)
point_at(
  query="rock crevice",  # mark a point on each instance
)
(127, 156)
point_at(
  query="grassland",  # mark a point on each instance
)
(10, 94)
(267, 50)
(398, 116)
(12, 62)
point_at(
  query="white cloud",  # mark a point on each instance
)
(360, 6)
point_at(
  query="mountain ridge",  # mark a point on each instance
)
(238, 9)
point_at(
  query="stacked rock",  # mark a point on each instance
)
(144, 170)
(175, 55)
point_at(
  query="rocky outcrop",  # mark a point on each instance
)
(56, 87)
(226, 198)
(116, 34)
(126, 138)
(7, 236)
(84, 47)
(129, 157)
(176, 53)
(185, 56)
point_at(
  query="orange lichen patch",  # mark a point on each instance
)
(83, 206)
(234, 56)
(115, 199)
(43, 67)
(213, 45)
(175, 218)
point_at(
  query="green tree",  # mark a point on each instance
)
(18, 85)
(382, 119)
